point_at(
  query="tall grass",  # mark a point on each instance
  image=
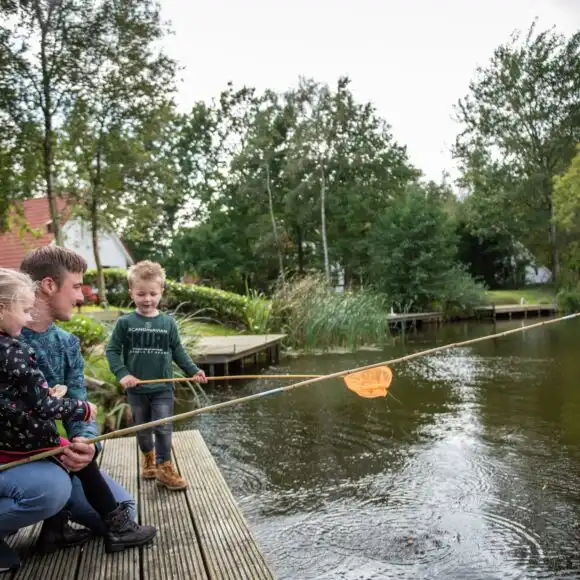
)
(316, 318)
(257, 312)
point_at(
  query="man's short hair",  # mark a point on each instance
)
(52, 262)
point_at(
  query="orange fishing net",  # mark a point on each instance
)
(370, 383)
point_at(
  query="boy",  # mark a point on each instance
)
(143, 346)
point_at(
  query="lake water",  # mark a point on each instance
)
(469, 469)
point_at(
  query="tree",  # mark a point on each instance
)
(117, 118)
(521, 121)
(567, 196)
(413, 249)
(42, 44)
(567, 212)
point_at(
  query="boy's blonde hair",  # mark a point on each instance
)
(145, 271)
(13, 285)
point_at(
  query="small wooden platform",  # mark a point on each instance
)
(201, 533)
(224, 350)
(517, 310)
(415, 317)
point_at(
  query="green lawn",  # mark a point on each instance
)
(209, 329)
(532, 295)
(199, 328)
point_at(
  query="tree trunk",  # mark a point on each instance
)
(47, 145)
(96, 250)
(300, 248)
(323, 224)
(555, 253)
(274, 228)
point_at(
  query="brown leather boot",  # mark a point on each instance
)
(149, 469)
(168, 476)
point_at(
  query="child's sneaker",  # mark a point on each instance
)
(167, 476)
(123, 532)
(149, 469)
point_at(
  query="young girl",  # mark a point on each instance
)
(28, 410)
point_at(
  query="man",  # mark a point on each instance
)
(40, 490)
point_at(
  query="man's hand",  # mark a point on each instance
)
(199, 377)
(129, 382)
(78, 454)
(93, 414)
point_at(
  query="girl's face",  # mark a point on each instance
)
(15, 317)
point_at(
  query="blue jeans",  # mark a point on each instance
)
(36, 491)
(150, 407)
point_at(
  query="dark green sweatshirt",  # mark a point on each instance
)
(145, 347)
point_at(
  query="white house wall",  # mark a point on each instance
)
(77, 237)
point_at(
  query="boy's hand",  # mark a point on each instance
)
(199, 377)
(129, 382)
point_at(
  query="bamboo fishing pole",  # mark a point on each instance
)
(240, 400)
(228, 378)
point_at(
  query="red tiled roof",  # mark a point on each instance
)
(13, 246)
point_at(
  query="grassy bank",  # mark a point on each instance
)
(532, 295)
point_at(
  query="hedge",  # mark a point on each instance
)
(219, 305)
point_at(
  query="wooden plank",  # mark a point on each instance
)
(225, 349)
(177, 554)
(517, 308)
(119, 459)
(25, 539)
(62, 564)
(230, 550)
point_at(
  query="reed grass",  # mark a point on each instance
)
(316, 318)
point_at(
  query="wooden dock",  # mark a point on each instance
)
(201, 533)
(225, 350)
(516, 310)
(415, 318)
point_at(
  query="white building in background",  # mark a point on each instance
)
(15, 244)
(77, 236)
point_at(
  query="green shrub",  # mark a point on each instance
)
(115, 283)
(257, 312)
(89, 331)
(460, 293)
(218, 305)
(568, 300)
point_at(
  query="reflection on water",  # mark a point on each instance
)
(471, 470)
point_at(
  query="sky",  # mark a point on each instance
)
(413, 59)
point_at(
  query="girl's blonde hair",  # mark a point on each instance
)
(13, 284)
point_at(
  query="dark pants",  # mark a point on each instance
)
(97, 492)
(150, 407)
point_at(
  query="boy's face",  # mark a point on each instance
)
(62, 299)
(146, 294)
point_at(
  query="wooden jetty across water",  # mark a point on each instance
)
(414, 319)
(201, 535)
(509, 311)
(225, 350)
(516, 310)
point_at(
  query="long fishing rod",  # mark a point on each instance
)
(381, 389)
(227, 378)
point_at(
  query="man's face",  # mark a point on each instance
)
(62, 300)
